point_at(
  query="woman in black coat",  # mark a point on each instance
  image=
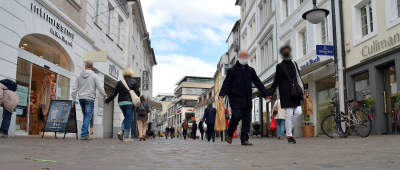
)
(289, 104)
(194, 130)
(201, 128)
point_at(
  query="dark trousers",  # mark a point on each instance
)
(184, 134)
(210, 131)
(201, 133)
(5, 124)
(194, 135)
(238, 114)
(222, 135)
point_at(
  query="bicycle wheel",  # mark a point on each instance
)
(363, 126)
(328, 125)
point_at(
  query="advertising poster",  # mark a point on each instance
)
(58, 116)
(22, 92)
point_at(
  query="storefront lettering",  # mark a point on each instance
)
(311, 62)
(113, 71)
(378, 45)
(57, 25)
(190, 110)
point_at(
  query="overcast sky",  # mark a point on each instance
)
(188, 37)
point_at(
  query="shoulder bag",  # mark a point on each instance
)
(295, 90)
(134, 97)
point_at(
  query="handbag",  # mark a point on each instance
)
(273, 125)
(134, 97)
(220, 124)
(295, 90)
(226, 111)
(275, 110)
(307, 106)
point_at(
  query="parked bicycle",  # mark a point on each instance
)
(357, 119)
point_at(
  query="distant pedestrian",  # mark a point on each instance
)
(9, 101)
(142, 115)
(85, 88)
(154, 128)
(159, 133)
(194, 130)
(185, 126)
(125, 102)
(172, 131)
(166, 132)
(201, 128)
(209, 117)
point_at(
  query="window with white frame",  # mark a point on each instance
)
(96, 11)
(120, 22)
(324, 31)
(304, 42)
(366, 19)
(392, 9)
(285, 9)
(262, 14)
(272, 56)
(398, 8)
(363, 16)
(244, 39)
(110, 9)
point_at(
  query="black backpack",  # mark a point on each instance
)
(141, 110)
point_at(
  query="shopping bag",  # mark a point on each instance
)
(220, 117)
(307, 106)
(275, 110)
(273, 125)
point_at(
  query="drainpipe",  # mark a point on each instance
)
(343, 52)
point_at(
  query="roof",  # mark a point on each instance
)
(237, 24)
(236, 3)
(202, 102)
(182, 78)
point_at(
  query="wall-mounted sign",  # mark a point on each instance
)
(113, 71)
(95, 56)
(63, 30)
(178, 111)
(325, 50)
(145, 75)
(378, 45)
(190, 110)
(22, 92)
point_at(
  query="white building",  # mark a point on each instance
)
(42, 38)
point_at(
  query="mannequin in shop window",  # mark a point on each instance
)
(53, 86)
(45, 96)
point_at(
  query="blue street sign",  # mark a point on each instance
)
(324, 49)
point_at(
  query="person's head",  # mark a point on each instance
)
(89, 65)
(209, 102)
(128, 72)
(52, 77)
(65, 107)
(142, 98)
(55, 108)
(243, 57)
(286, 52)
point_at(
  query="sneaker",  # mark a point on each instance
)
(213, 140)
(86, 138)
(128, 140)
(291, 140)
(229, 139)
(121, 135)
(279, 137)
(294, 141)
(2, 135)
(247, 143)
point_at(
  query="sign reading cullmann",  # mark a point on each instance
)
(145, 76)
(53, 22)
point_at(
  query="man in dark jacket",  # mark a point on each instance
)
(194, 130)
(185, 126)
(237, 85)
(166, 132)
(209, 118)
(201, 128)
(172, 132)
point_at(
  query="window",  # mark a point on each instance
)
(304, 42)
(244, 37)
(186, 103)
(96, 11)
(324, 31)
(362, 87)
(272, 50)
(398, 8)
(285, 10)
(392, 9)
(110, 8)
(119, 29)
(366, 19)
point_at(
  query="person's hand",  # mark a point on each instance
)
(73, 104)
(306, 93)
(220, 97)
(268, 97)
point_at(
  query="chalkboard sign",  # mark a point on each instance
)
(61, 117)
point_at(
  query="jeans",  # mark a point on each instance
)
(210, 132)
(127, 111)
(280, 127)
(238, 114)
(184, 134)
(5, 124)
(291, 118)
(87, 110)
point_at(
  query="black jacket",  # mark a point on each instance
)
(284, 84)
(123, 92)
(166, 130)
(194, 127)
(237, 85)
(201, 126)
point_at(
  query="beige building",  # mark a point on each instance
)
(372, 35)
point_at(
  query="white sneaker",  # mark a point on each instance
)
(2, 135)
(121, 135)
(128, 140)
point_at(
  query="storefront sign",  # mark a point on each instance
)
(311, 61)
(314, 59)
(22, 92)
(61, 117)
(193, 118)
(378, 45)
(59, 27)
(190, 110)
(145, 76)
(178, 111)
(325, 50)
(113, 71)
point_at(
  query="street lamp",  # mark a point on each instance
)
(315, 16)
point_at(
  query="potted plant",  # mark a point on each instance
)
(370, 102)
(308, 128)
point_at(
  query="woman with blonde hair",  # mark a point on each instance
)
(125, 102)
(142, 115)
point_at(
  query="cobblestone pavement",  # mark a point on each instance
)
(374, 152)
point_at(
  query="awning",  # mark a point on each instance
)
(304, 70)
(154, 105)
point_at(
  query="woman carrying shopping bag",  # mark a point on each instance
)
(279, 116)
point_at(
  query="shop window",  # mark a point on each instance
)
(46, 49)
(325, 92)
(362, 88)
(22, 80)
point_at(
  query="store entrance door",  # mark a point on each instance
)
(391, 105)
(108, 115)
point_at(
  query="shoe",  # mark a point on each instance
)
(128, 140)
(121, 135)
(294, 141)
(229, 139)
(144, 138)
(291, 140)
(213, 140)
(247, 143)
(279, 137)
(86, 138)
(208, 141)
(2, 135)
(140, 139)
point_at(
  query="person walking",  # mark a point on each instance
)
(125, 102)
(142, 115)
(166, 132)
(201, 128)
(172, 131)
(85, 88)
(185, 126)
(287, 73)
(280, 120)
(154, 128)
(209, 117)
(9, 101)
(238, 86)
(194, 130)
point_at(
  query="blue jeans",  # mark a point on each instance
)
(280, 126)
(5, 124)
(87, 110)
(127, 111)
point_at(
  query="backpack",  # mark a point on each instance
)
(141, 110)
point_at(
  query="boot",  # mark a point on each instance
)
(144, 138)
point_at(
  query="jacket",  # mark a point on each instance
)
(147, 108)
(284, 84)
(11, 85)
(86, 85)
(281, 112)
(167, 130)
(238, 86)
(194, 127)
(8, 98)
(201, 126)
(185, 125)
(209, 115)
(124, 94)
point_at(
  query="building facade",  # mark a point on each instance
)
(47, 39)
(372, 38)
(161, 115)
